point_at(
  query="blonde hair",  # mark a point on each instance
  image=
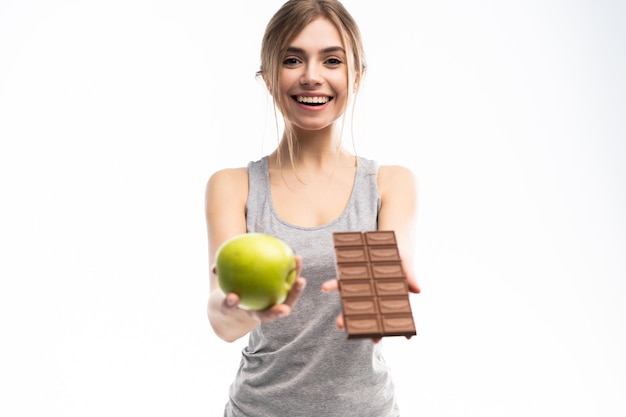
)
(286, 24)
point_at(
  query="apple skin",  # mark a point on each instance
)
(258, 267)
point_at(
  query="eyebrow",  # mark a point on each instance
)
(296, 50)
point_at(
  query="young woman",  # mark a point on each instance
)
(298, 361)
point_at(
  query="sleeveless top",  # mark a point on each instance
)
(302, 365)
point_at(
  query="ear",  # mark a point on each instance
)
(265, 81)
(357, 82)
(267, 85)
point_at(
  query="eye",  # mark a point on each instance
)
(291, 61)
(333, 62)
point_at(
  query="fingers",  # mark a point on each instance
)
(298, 265)
(298, 285)
(272, 313)
(414, 286)
(284, 309)
(340, 322)
(281, 310)
(330, 285)
(295, 292)
(410, 276)
(230, 303)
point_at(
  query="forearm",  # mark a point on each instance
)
(231, 326)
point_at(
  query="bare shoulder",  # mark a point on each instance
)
(395, 178)
(225, 204)
(398, 210)
(228, 177)
(231, 182)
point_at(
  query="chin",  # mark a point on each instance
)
(312, 127)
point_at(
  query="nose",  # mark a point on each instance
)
(311, 75)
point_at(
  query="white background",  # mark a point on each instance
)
(113, 114)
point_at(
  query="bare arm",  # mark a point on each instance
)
(225, 202)
(398, 188)
(398, 212)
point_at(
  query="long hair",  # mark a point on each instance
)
(285, 25)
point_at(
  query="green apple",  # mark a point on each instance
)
(258, 267)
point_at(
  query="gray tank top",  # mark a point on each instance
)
(302, 365)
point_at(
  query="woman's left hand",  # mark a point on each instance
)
(333, 285)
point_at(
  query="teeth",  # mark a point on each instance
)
(312, 100)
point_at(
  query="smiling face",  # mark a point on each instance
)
(313, 78)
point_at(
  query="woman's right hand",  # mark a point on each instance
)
(230, 303)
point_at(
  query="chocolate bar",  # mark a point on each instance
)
(373, 288)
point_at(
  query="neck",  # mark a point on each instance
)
(313, 148)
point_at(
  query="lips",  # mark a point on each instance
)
(312, 100)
